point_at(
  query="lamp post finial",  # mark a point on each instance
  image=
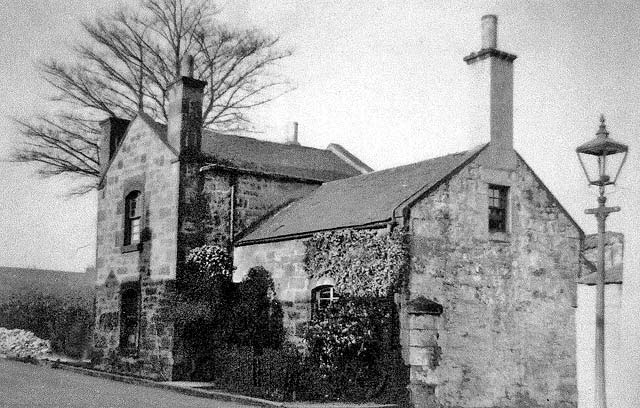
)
(602, 130)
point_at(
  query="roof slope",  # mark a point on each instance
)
(358, 201)
(275, 158)
(261, 156)
(612, 275)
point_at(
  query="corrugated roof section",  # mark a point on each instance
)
(275, 158)
(357, 201)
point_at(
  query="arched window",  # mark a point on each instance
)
(129, 300)
(132, 218)
(323, 296)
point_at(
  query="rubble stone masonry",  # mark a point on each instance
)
(206, 201)
(506, 337)
(285, 261)
(144, 163)
(184, 207)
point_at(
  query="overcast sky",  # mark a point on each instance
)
(385, 79)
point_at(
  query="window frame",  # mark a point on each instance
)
(131, 237)
(316, 300)
(501, 207)
(131, 186)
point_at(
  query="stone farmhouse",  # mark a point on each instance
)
(487, 316)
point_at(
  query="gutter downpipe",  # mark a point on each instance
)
(232, 210)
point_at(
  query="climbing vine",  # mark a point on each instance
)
(346, 329)
(354, 342)
(363, 263)
(211, 260)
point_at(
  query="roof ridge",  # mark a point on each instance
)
(221, 133)
(384, 191)
(218, 132)
(403, 166)
(296, 146)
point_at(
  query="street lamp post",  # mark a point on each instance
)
(601, 148)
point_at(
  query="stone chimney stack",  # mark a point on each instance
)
(292, 134)
(491, 96)
(184, 122)
(113, 130)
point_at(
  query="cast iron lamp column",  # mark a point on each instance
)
(601, 147)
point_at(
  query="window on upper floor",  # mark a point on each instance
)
(133, 218)
(498, 196)
(129, 318)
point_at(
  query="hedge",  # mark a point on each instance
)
(66, 322)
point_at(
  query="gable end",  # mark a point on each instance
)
(151, 124)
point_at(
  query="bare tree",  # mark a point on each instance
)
(126, 65)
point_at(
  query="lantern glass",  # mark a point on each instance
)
(602, 158)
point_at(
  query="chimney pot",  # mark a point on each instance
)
(292, 135)
(489, 26)
(187, 66)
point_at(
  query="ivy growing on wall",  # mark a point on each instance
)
(205, 275)
(354, 343)
(211, 260)
(203, 291)
(363, 263)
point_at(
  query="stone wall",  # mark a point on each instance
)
(506, 336)
(107, 311)
(285, 261)
(143, 162)
(257, 196)
(206, 205)
(153, 357)
(143, 158)
(205, 215)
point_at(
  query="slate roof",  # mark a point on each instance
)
(362, 200)
(611, 275)
(275, 158)
(611, 238)
(249, 154)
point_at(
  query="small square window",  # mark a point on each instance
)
(498, 208)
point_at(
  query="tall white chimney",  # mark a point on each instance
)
(491, 95)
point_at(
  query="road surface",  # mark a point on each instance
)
(27, 385)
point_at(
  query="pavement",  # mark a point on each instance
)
(29, 385)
